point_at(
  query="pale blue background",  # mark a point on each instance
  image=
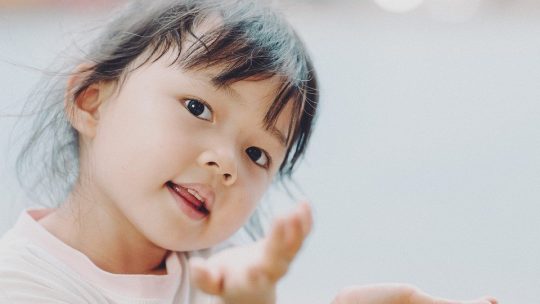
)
(425, 164)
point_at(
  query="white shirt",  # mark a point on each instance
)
(37, 267)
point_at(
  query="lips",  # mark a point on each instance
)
(195, 200)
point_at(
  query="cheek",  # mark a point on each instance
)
(139, 142)
(127, 144)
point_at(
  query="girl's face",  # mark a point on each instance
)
(184, 162)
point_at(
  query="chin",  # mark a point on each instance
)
(183, 245)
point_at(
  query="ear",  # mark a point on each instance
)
(83, 110)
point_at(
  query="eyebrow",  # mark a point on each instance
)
(277, 134)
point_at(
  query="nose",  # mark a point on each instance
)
(221, 163)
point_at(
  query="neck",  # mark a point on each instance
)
(101, 232)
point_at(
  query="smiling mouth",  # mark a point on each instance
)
(191, 197)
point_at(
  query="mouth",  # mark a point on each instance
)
(192, 202)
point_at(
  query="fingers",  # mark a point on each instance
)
(289, 232)
(306, 218)
(419, 297)
(205, 278)
(285, 240)
(484, 300)
(490, 300)
(396, 293)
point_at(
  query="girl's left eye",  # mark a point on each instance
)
(258, 156)
(198, 109)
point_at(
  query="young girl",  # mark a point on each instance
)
(177, 122)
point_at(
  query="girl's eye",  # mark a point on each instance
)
(258, 156)
(198, 109)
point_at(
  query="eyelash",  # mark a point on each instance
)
(195, 108)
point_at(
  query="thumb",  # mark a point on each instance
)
(203, 277)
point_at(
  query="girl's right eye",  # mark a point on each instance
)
(198, 109)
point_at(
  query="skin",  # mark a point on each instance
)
(396, 294)
(137, 137)
(146, 127)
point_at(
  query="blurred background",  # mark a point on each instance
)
(425, 164)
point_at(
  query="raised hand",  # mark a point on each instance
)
(396, 294)
(248, 274)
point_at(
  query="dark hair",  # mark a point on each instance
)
(248, 42)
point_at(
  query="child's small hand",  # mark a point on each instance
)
(396, 294)
(249, 274)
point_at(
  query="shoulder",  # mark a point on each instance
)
(14, 251)
(17, 252)
(29, 275)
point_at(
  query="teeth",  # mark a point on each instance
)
(194, 193)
